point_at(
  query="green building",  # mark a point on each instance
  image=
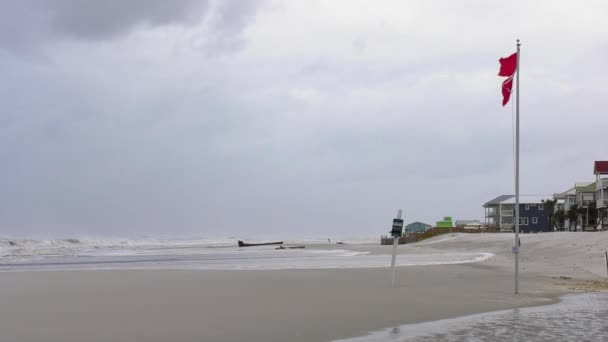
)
(445, 223)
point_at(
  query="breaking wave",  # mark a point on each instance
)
(18, 250)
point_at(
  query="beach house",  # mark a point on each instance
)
(445, 223)
(585, 199)
(499, 215)
(534, 215)
(417, 227)
(580, 198)
(600, 169)
(586, 202)
(565, 199)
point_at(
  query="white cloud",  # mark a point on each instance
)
(305, 94)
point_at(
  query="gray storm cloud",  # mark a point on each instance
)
(94, 20)
(31, 22)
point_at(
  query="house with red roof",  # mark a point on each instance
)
(600, 169)
(591, 198)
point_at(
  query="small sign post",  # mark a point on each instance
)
(396, 232)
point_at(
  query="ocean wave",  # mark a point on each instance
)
(20, 250)
(201, 254)
(14, 250)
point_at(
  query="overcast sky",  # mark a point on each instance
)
(309, 118)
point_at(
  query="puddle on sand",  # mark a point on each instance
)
(581, 317)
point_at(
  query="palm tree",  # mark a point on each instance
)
(560, 218)
(551, 205)
(592, 214)
(572, 215)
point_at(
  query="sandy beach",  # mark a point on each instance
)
(295, 305)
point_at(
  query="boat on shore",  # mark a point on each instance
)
(244, 244)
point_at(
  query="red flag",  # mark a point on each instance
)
(508, 66)
(507, 85)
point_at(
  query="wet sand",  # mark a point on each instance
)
(284, 305)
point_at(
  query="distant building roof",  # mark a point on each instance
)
(600, 167)
(582, 184)
(578, 187)
(497, 200)
(562, 195)
(586, 188)
(527, 199)
(467, 222)
(425, 224)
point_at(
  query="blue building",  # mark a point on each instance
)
(417, 227)
(534, 217)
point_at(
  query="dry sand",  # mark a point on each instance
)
(294, 305)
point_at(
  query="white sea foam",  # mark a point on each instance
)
(341, 259)
(20, 250)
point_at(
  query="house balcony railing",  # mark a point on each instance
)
(601, 203)
(506, 212)
(506, 224)
(585, 203)
(601, 184)
(491, 213)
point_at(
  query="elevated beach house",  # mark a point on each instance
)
(499, 215)
(591, 200)
(600, 169)
(583, 196)
(565, 199)
(534, 215)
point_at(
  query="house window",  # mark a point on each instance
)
(525, 221)
(534, 220)
(541, 207)
(527, 207)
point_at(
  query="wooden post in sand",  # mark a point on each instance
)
(396, 233)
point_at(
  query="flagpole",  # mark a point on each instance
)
(517, 245)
